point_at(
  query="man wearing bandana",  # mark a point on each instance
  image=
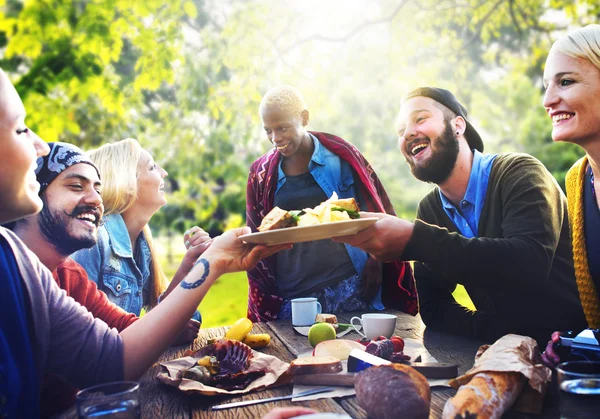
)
(70, 188)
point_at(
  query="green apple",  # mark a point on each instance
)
(320, 332)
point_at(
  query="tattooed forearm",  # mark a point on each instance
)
(199, 282)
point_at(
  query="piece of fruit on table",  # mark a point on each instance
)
(320, 332)
(239, 329)
(259, 340)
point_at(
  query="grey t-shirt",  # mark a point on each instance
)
(66, 338)
(308, 266)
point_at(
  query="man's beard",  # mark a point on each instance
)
(439, 166)
(54, 227)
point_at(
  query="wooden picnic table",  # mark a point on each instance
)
(161, 401)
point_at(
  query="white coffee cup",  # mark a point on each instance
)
(375, 324)
(304, 311)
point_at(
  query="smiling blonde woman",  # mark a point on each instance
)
(124, 263)
(572, 100)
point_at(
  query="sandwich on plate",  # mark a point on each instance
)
(332, 210)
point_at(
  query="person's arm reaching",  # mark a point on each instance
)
(147, 338)
(532, 214)
(196, 242)
(98, 353)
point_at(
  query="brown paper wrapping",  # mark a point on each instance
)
(274, 367)
(513, 353)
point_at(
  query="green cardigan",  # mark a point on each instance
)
(585, 284)
(518, 271)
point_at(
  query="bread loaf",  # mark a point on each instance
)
(393, 391)
(488, 395)
(315, 365)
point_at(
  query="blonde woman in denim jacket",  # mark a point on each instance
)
(124, 263)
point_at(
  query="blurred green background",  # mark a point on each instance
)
(185, 78)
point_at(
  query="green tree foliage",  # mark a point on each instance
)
(186, 77)
(83, 67)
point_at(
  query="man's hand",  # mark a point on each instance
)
(385, 240)
(288, 412)
(549, 357)
(232, 254)
(189, 333)
(371, 279)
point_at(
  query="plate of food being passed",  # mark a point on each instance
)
(332, 218)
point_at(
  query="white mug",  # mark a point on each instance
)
(304, 311)
(375, 324)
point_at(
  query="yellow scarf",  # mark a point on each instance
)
(587, 290)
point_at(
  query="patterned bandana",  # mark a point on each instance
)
(61, 157)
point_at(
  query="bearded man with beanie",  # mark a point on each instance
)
(495, 223)
(70, 189)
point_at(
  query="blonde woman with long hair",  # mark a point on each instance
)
(124, 263)
(572, 101)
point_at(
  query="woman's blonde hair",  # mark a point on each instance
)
(581, 43)
(118, 165)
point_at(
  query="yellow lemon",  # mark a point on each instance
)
(320, 332)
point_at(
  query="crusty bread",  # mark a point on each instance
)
(326, 318)
(315, 365)
(488, 395)
(393, 391)
(348, 203)
(275, 219)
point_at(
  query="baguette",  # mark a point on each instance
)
(488, 395)
(315, 365)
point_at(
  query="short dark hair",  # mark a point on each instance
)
(446, 98)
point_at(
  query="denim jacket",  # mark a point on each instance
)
(111, 265)
(332, 174)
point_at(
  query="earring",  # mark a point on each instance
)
(457, 133)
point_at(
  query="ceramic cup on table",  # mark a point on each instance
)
(304, 311)
(375, 324)
(120, 399)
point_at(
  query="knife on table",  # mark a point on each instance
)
(271, 399)
(346, 379)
